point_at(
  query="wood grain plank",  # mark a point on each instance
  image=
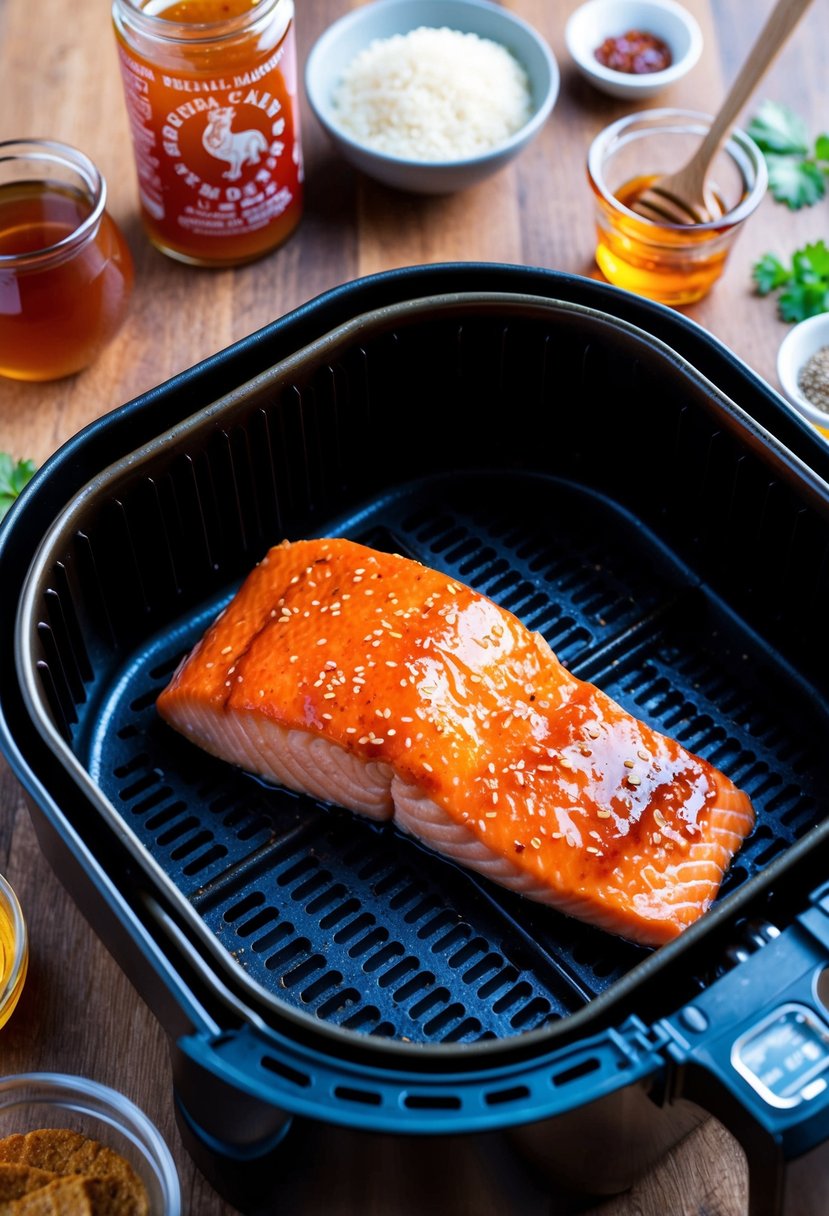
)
(705, 1175)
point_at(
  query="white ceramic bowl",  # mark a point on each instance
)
(590, 24)
(796, 349)
(342, 41)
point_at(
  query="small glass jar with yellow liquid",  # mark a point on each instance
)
(671, 263)
(14, 951)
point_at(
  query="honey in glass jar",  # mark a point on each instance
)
(211, 93)
(675, 264)
(14, 951)
(66, 272)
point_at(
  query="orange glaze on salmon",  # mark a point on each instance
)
(374, 682)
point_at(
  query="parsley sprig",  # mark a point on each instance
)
(14, 475)
(803, 286)
(797, 168)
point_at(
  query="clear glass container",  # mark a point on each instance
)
(31, 1101)
(14, 951)
(212, 95)
(672, 263)
(66, 272)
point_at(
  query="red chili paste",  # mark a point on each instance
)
(635, 52)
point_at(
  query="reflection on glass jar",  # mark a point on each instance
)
(212, 95)
(672, 263)
(65, 270)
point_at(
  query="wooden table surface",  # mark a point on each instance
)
(58, 78)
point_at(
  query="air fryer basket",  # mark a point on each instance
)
(583, 475)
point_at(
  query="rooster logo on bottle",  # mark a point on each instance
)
(238, 148)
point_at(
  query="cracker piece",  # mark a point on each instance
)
(109, 1197)
(61, 1197)
(62, 1151)
(66, 1152)
(17, 1179)
(72, 1195)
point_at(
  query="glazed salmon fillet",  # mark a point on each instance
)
(371, 681)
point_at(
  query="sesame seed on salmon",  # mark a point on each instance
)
(371, 681)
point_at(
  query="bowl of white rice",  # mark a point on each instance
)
(431, 96)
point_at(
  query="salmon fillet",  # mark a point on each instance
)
(371, 681)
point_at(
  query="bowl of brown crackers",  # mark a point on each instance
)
(73, 1147)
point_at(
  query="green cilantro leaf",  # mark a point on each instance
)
(822, 148)
(798, 183)
(804, 287)
(811, 263)
(14, 475)
(801, 300)
(769, 274)
(777, 129)
(797, 174)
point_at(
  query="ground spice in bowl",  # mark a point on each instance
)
(813, 380)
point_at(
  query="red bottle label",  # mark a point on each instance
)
(218, 158)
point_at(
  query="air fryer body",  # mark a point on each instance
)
(597, 466)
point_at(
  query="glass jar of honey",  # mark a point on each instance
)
(212, 96)
(675, 264)
(66, 272)
(14, 951)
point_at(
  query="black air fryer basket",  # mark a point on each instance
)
(602, 468)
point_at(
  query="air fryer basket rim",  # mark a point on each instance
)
(312, 318)
(328, 344)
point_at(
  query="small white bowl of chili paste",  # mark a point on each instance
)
(633, 48)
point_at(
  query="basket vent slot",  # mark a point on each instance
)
(432, 1102)
(286, 1071)
(502, 1097)
(582, 1069)
(365, 1097)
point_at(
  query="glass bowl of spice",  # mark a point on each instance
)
(431, 96)
(633, 48)
(70, 1144)
(803, 370)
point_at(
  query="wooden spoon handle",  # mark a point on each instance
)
(781, 21)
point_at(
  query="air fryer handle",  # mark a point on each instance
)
(753, 1049)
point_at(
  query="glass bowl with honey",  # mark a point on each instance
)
(672, 263)
(66, 272)
(14, 951)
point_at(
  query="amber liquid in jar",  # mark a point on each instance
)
(215, 125)
(10, 985)
(679, 269)
(57, 312)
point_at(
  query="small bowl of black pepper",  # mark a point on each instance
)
(803, 370)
